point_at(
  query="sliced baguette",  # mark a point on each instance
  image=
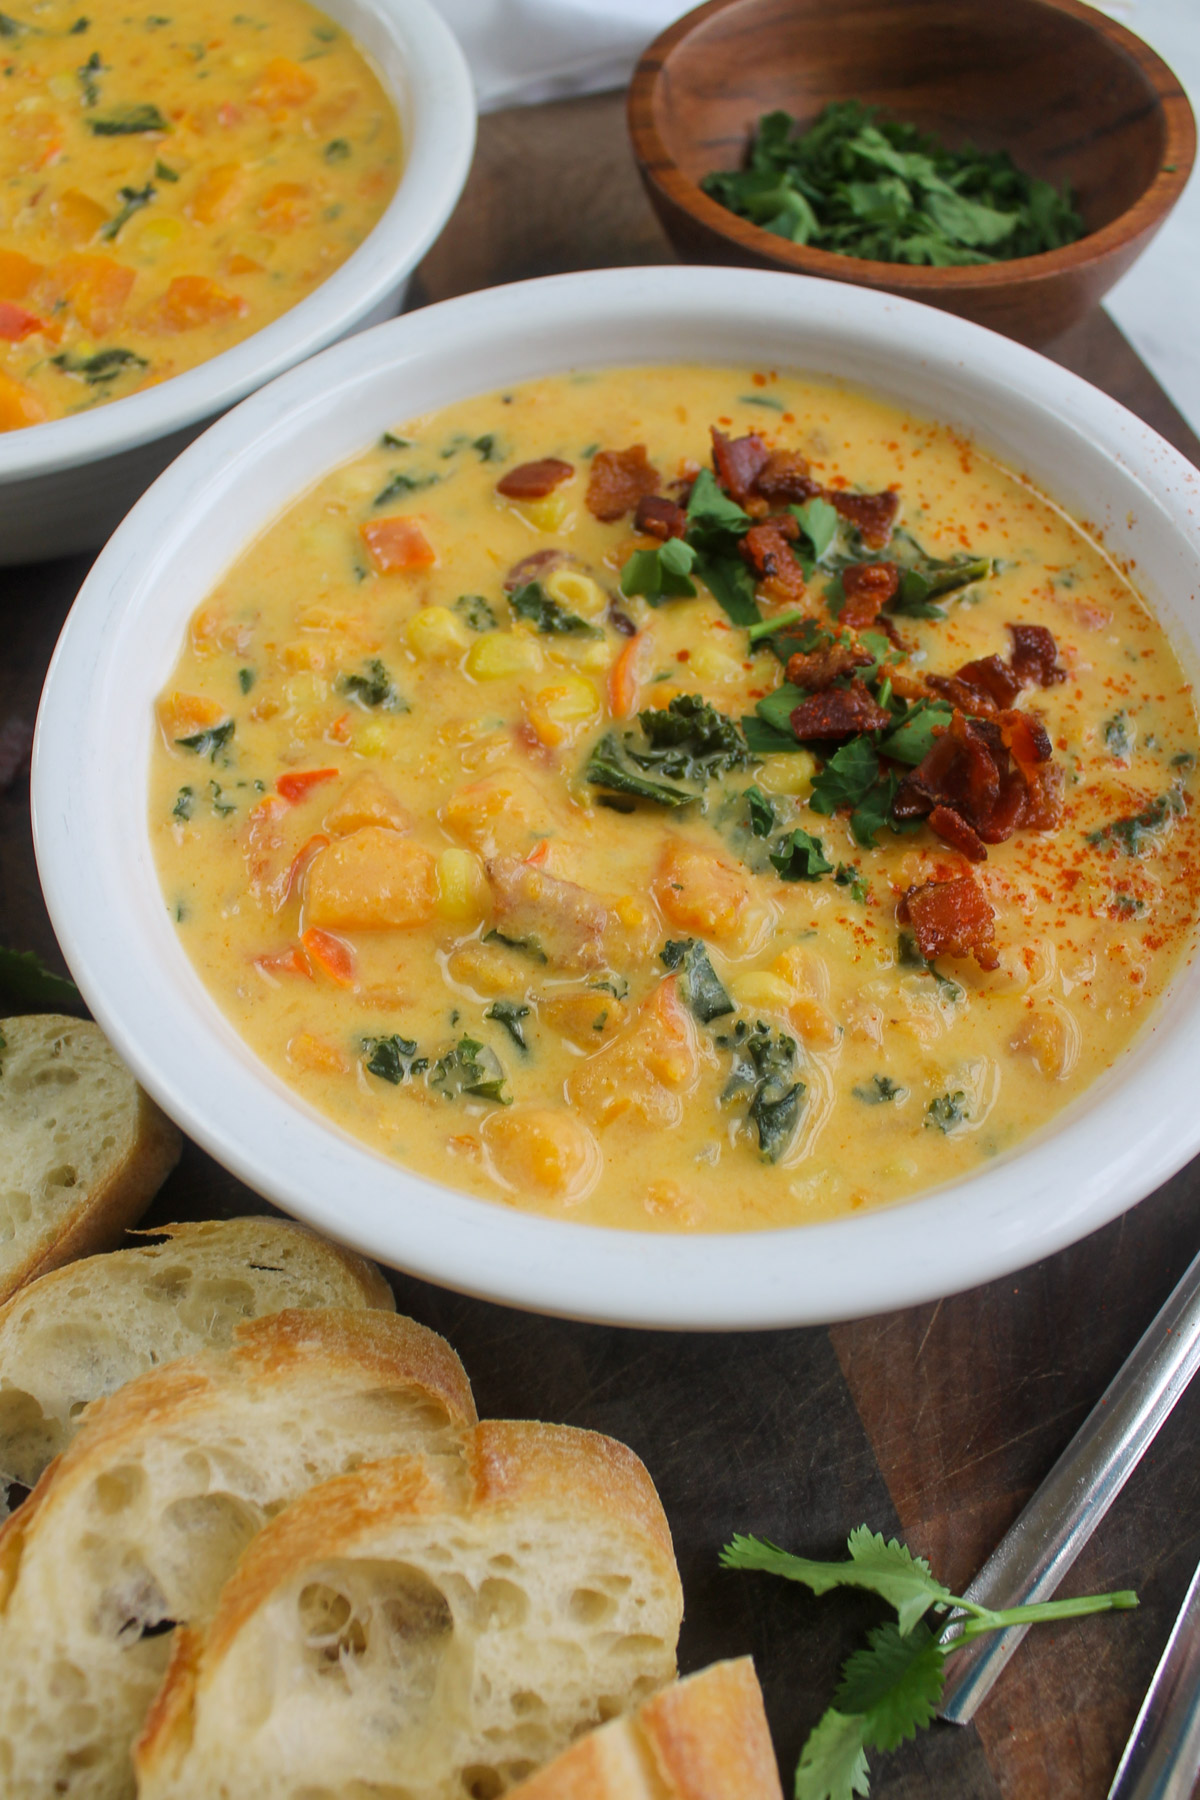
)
(384, 1637)
(705, 1738)
(81, 1331)
(134, 1529)
(83, 1150)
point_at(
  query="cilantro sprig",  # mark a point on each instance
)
(892, 1688)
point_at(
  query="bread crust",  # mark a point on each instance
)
(367, 1276)
(120, 1195)
(704, 1738)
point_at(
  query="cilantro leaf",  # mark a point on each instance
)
(777, 707)
(761, 812)
(548, 618)
(913, 738)
(847, 777)
(25, 979)
(660, 574)
(888, 1569)
(818, 520)
(833, 1765)
(710, 511)
(731, 585)
(763, 739)
(799, 857)
(894, 1685)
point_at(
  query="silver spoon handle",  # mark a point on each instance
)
(1034, 1555)
(1162, 1757)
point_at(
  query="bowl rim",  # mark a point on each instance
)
(440, 132)
(659, 168)
(1122, 1137)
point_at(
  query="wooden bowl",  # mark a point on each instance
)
(1068, 92)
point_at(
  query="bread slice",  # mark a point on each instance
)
(81, 1331)
(705, 1738)
(82, 1149)
(385, 1638)
(134, 1529)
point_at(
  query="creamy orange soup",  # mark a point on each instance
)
(675, 828)
(170, 182)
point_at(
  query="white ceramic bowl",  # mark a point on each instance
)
(65, 485)
(1128, 1133)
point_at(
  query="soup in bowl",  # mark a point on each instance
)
(694, 805)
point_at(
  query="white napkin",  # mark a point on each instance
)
(525, 51)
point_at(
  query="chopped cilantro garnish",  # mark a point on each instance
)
(818, 520)
(799, 857)
(660, 574)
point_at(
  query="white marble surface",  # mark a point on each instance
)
(525, 51)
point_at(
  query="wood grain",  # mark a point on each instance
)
(937, 1421)
(1067, 91)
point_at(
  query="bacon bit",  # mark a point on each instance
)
(738, 463)
(16, 742)
(839, 713)
(994, 773)
(819, 669)
(16, 324)
(953, 829)
(299, 782)
(284, 962)
(396, 545)
(868, 587)
(952, 918)
(985, 686)
(1035, 656)
(659, 517)
(617, 482)
(302, 858)
(765, 547)
(785, 477)
(872, 514)
(331, 954)
(534, 480)
(532, 567)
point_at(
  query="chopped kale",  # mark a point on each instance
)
(700, 986)
(374, 689)
(527, 946)
(607, 768)
(475, 612)
(547, 617)
(390, 441)
(212, 742)
(763, 1067)
(947, 1111)
(164, 171)
(470, 1068)
(688, 741)
(799, 857)
(879, 1089)
(660, 574)
(849, 875)
(510, 1013)
(488, 447)
(1184, 759)
(392, 1058)
(133, 200)
(86, 75)
(337, 150)
(128, 121)
(101, 366)
(403, 484)
(220, 805)
(246, 679)
(908, 955)
(1131, 833)
(1119, 735)
(616, 985)
(185, 802)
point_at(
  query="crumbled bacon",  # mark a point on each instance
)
(534, 566)
(1035, 656)
(617, 482)
(952, 918)
(659, 517)
(953, 829)
(534, 480)
(839, 713)
(995, 774)
(819, 669)
(872, 514)
(766, 549)
(738, 463)
(785, 477)
(983, 686)
(868, 587)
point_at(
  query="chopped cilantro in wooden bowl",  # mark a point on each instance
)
(1006, 163)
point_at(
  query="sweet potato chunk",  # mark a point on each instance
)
(367, 801)
(699, 891)
(194, 300)
(396, 545)
(373, 880)
(646, 1070)
(502, 815)
(218, 193)
(19, 405)
(96, 287)
(17, 274)
(544, 1148)
(283, 84)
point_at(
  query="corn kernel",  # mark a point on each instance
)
(578, 593)
(304, 654)
(371, 739)
(63, 86)
(760, 988)
(436, 635)
(159, 234)
(804, 970)
(305, 689)
(462, 891)
(501, 653)
(813, 1023)
(791, 773)
(558, 712)
(711, 664)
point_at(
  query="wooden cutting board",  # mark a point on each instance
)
(937, 1422)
